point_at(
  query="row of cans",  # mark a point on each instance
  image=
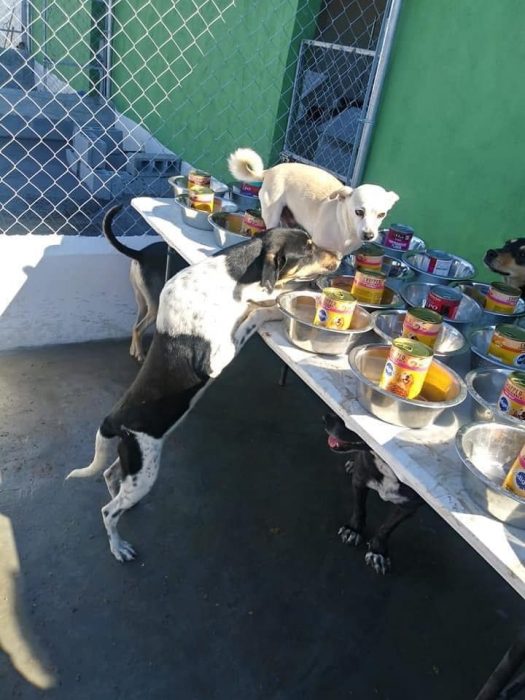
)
(201, 178)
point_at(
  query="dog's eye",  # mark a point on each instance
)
(359, 212)
(382, 215)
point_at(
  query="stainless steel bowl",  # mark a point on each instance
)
(416, 244)
(390, 299)
(226, 227)
(484, 385)
(487, 450)
(460, 269)
(243, 201)
(479, 339)
(298, 309)
(468, 313)
(180, 185)
(199, 219)
(443, 389)
(449, 344)
(397, 271)
(478, 292)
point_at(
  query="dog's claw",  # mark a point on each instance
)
(123, 551)
(349, 536)
(379, 563)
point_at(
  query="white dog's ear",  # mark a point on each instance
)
(393, 198)
(342, 193)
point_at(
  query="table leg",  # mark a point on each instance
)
(284, 374)
(504, 671)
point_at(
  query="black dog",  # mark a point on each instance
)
(510, 262)
(368, 471)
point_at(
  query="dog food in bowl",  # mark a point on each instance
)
(508, 345)
(335, 309)
(369, 257)
(252, 222)
(502, 298)
(515, 479)
(511, 401)
(423, 325)
(368, 287)
(201, 198)
(198, 178)
(444, 300)
(406, 368)
(398, 237)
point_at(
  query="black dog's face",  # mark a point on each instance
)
(340, 439)
(508, 260)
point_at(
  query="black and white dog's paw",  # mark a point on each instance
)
(379, 563)
(122, 550)
(349, 536)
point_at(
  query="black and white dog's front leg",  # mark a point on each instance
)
(352, 533)
(377, 555)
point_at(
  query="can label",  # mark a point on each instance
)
(444, 300)
(201, 198)
(423, 325)
(198, 178)
(252, 222)
(512, 398)
(515, 479)
(250, 188)
(335, 309)
(369, 257)
(406, 368)
(368, 287)
(398, 237)
(508, 345)
(438, 262)
(502, 298)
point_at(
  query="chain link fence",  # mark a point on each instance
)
(103, 100)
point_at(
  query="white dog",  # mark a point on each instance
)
(337, 217)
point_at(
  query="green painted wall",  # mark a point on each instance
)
(207, 82)
(450, 132)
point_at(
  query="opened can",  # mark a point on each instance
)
(508, 345)
(201, 198)
(438, 262)
(515, 479)
(335, 309)
(502, 298)
(512, 398)
(398, 237)
(198, 178)
(369, 257)
(251, 188)
(252, 222)
(423, 325)
(444, 300)
(368, 287)
(406, 368)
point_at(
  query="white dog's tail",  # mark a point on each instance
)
(100, 459)
(246, 165)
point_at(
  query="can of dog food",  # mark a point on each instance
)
(198, 178)
(508, 345)
(515, 479)
(335, 309)
(406, 368)
(502, 298)
(423, 325)
(512, 398)
(437, 262)
(368, 287)
(252, 222)
(201, 198)
(250, 188)
(398, 237)
(444, 300)
(369, 257)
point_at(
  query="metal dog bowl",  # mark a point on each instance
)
(242, 200)
(478, 292)
(460, 269)
(397, 271)
(199, 219)
(180, 186)
(416, 244)
(443, 388)
(390, 299)
(487, 450)
(479, 339)
(298, 309)
(484, 385)
(468, 313)
(449, 344)
(226, 227)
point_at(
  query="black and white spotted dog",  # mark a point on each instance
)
(206, 313)
(369, 471)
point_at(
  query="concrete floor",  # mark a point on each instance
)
(242, 590)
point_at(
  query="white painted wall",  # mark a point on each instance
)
(64, 289)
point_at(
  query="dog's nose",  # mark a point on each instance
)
(491, 254)
(368, 235)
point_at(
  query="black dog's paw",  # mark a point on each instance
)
(349, 536)
(379, 563)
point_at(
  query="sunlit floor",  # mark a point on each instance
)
(242, 590)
